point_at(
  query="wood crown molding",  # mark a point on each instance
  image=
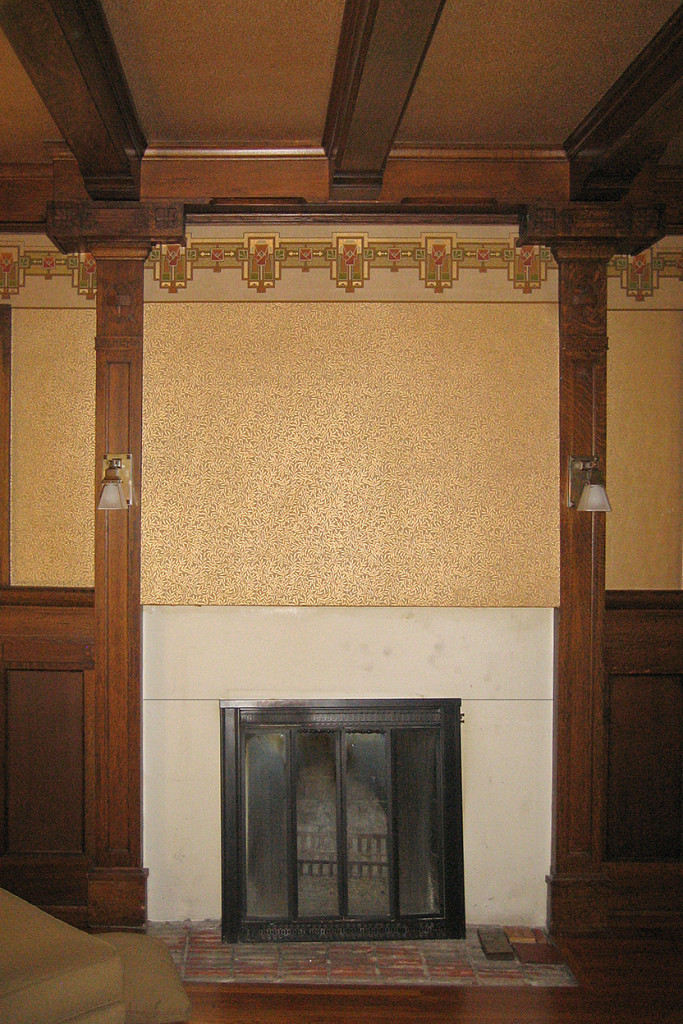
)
(67, 51)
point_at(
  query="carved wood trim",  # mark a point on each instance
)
(643, 639)
(118, 231)
(583, 347)
(647, 600)
(583, 894)
(594, 230)
(644, 632)
(117, 898)
(51, 597)
(381, 49)
(475, 178)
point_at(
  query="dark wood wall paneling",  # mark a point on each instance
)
(642, 769)
(47, 753)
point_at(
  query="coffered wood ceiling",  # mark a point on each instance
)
(326, 107)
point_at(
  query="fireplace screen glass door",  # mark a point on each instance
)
(342, 820)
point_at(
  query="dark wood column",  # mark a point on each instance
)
(117, 885)
(5, 439)
(120, 237)
(575, 868)
(582, 238)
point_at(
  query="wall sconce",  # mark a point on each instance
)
(117, 482)
(586, 485)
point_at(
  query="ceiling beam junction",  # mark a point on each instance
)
(67, 51)
(632, 125)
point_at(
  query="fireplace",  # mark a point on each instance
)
(342, 820)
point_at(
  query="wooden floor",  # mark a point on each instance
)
(624, 978)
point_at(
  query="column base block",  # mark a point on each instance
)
(117, 899)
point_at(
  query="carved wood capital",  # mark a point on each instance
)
(114, 230)
(592, 231)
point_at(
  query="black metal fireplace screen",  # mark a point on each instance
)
(342, 820)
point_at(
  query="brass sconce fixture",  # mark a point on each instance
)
(586, 485)
(117, 482)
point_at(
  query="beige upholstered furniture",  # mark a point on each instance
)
(51, 973)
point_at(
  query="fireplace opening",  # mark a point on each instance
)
(341, 820)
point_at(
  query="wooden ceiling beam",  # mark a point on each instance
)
(66, 49)
(633, 123)
(381, 49)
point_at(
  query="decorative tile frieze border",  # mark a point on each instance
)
(348, 261)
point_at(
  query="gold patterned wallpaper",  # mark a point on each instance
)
(645, 450)
(355, 454)
(53, 447)
(359, 418)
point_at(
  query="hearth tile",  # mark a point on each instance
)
(308, 949)
(461, 971)
(299, 964)
(414, 967)
(299, 974)
(255, 974)
(255, 964)
(398, 954)
(537, 953)
(517, 934)
(495, 944)
(458, 952)
(354, 947)
(357, 969)
(503, 975)
(210, 957)
(500, 981)
(200, 955)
